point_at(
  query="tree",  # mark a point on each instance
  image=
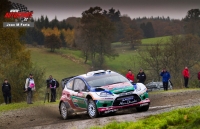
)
(148, 30)
(132, 34)
(69, 37)
(192, 22)
(46, 22)
(14, 57)
(114, 17)
(53, 42)
(62, 39)
(97, 31)
(152, 58)
(178, 52)
(33, 35)
(55, 23)
(50, 31)
(193, 14)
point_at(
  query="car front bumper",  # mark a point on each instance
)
(116, 108)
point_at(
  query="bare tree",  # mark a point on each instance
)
(178, 52)
(152, 58)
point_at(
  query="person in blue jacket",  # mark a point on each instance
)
(165, 78)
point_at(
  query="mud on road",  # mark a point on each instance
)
(47, 116)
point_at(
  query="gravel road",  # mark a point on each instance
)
(48, 117)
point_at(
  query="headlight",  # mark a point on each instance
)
(137, 87)
(104, 94)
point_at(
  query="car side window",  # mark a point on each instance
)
(70, 84)
(79, 85)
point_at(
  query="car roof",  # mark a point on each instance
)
(92, 74)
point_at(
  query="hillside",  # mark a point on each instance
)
(65, 62)
(56, 64)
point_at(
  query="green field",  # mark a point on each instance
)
(55, 64)
(66, 62)
(154, 40)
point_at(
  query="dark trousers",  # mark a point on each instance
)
(53, 94)
(29, 97)
(186, 82)
(165, 85)
(7, 97)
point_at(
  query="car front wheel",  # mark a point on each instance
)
(92, 109)
(63, 111)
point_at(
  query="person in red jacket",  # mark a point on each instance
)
(186, 76)
(130, 75)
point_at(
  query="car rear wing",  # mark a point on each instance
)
(65, 80)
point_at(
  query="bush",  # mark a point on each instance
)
(16, 76)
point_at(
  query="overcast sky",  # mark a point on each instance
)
(175, 9)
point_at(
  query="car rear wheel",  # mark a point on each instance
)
(92, 109)
(142, 109)
(63, 111)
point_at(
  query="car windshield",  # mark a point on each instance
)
(108, 79)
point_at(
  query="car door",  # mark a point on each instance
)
(79, 98)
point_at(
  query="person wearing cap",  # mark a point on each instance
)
(165, 78)
(141, 76)
(186, 76)
(130, 75)
(6, 89)
(29, 88)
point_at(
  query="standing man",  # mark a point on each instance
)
(130, 76)
(186, 76)
(141, 76)
(165, 78)
(51, 83)
(29, 88)
(6, 89)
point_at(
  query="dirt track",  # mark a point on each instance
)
(47, 116)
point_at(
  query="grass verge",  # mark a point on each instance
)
(22, 105)
(184, 118)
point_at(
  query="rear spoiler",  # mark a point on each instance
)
(65, 80)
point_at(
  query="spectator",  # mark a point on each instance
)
(29, 88)
(186, 76)
(141, 76)
(51, 83)
(165, 78)
(130, 75)
(6, 89)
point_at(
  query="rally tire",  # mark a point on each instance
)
(63, 111)
(142, 109)
(92, 109)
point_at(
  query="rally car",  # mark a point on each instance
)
(101, 92)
